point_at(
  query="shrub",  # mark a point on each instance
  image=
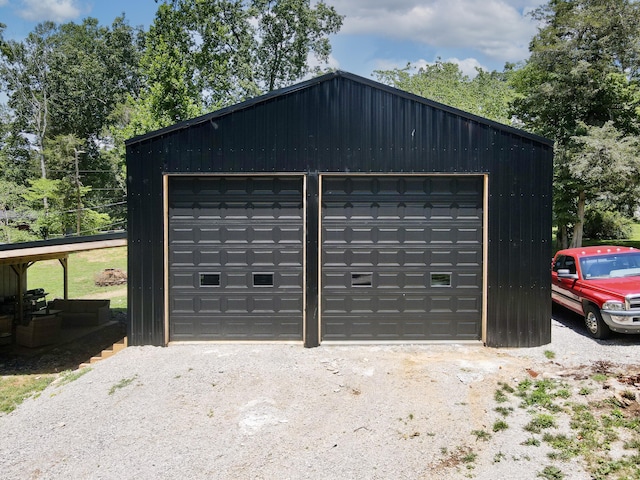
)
(600, 224)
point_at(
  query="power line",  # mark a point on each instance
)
(94, 207)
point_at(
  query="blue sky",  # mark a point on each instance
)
(376, 34)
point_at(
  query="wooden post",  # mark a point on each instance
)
(65, 273)
(20, 270)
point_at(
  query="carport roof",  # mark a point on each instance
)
(20, 253)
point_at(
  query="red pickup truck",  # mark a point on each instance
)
(601, 283)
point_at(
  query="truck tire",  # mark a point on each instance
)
(594, 323)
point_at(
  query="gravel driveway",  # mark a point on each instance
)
(285, 412)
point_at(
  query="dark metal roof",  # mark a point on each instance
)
(63, 244)
(324, 78)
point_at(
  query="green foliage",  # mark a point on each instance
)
(62, 82)
(77, 91)
(580, 88)
(288, 32)
(540, 422)
(122, 384)
(487, 94)
(500, 425)
(551, 473)
(603, 224)
(531, 442)
(504, 411)
(69, 376)
(201, 56)
(542, 393)
(481, 435)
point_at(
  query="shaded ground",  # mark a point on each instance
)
(15, 360)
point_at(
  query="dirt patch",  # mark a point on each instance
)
(110, 277)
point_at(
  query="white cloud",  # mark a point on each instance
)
(55, 10)
(3, 3)
(499, 29)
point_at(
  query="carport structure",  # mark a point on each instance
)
(339, 210)
(15, 260)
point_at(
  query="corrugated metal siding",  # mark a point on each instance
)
(146, 247)
(342, 123)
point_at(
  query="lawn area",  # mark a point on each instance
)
(83, 268)
(633, 241)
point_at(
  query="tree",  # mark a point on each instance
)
(25, 73)
(66, 80)
(92, 70)
(202, 56)
(604, 165)
(289, 31)
(583, 72)
(487, 94)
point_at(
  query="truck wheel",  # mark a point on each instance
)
(595, 325)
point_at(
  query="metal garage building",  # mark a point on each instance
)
(339, 210)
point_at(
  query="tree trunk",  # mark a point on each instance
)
(578, 229)
(562, 237)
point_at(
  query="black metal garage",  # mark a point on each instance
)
(339, 210)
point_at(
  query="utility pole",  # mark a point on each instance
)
(78, 194)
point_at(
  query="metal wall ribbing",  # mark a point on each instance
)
(344, 123)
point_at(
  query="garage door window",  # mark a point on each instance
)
(209, 279)
(441, 279)
(263, 279)
(362, 279)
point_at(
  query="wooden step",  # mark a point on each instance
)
(109, 352)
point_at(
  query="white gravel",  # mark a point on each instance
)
(286, 412)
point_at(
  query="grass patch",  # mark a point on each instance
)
(596, 428)
(549, 354)
(551, 473)
(542, 393)
(599, 377)
(500, 425)
(531, 442)
(83, 267)
(504, 411)
(71, 376)
(14, 390)
(121, 384)
(481, 435)
(540, 422)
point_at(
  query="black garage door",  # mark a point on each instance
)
(401, 258)
(235, 258)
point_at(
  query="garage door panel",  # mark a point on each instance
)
(235, 258)
(399, 255)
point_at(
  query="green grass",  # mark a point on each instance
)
(121, 384)
(15, 390)
(82, 269)
(595, 426)
(633, 241)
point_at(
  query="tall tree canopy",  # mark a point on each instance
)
(487, 94)
(201, 56)
(66, 80)
(583, 74)
(76, 91)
